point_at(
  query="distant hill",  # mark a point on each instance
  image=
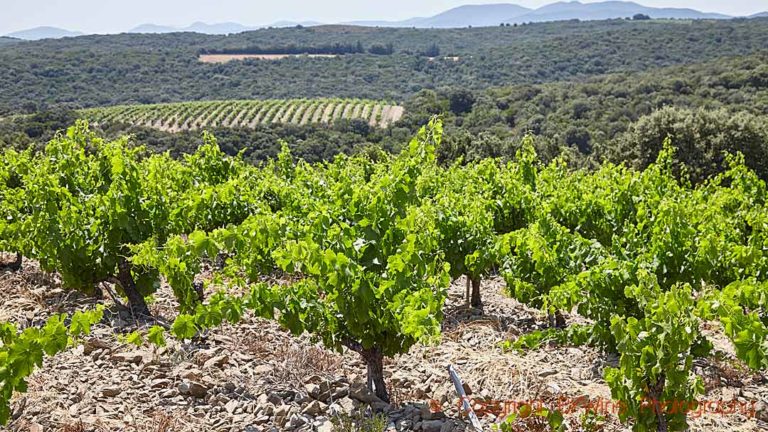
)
(38, 33)
(153, 28)
(484, 15)
(283, 24)
(474, 15)
(759, 15)
(198, 27)
(215, 29)
(462, 16)
(218, 28)
(606, 10)
(494, 14)
(411, 22)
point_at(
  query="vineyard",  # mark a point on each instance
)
(175, 117)
(358, 255)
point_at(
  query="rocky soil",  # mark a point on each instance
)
(257, 377)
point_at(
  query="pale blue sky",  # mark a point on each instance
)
(109, 16)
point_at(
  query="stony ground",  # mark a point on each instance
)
(256, 377)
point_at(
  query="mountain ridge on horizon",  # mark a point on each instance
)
(481, 15)
(558, 11)
(43, 32)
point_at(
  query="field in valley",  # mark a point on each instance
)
(225, 58)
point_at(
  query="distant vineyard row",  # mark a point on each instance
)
(175, 117)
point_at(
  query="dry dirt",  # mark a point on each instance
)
(257, 377)
(225, 58)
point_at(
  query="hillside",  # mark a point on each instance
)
(473, 15)
(591, 117)
(462, 16)
(585, 120)
(38, 33)
(133, 68)
(198, 27)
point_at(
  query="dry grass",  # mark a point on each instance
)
(298, 363)
(164, 422)
(74, 427)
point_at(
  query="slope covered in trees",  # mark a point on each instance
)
(132, 68)
(588, 121)
(597, 119)
(7, 40)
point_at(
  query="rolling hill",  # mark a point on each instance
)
(215, 28)
(462, 16)
(38, 33)
(166, 67)
(198, 27)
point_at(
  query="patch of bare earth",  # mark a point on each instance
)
(257, 377)
(225, 58)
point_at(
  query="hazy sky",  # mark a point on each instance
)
(109, 16)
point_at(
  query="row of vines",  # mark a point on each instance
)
(175, 117)
(366, 246)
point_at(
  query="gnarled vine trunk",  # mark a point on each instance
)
(374, 361)
(476, 302)
(656, 392)
(557, 320)
(468, 289)
(135, 299)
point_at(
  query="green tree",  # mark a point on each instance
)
(702, 138)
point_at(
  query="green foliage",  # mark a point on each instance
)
(74, 206)
(742, 308)
(358, 421)
(624, 248)
(365, 246)
(702, 138)
(22, 352)
(575, 334)
(488, 57)
(156, 336)
(133, 338)
(184, 327)
(374, 278)
(654, 380)
(529, 417)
